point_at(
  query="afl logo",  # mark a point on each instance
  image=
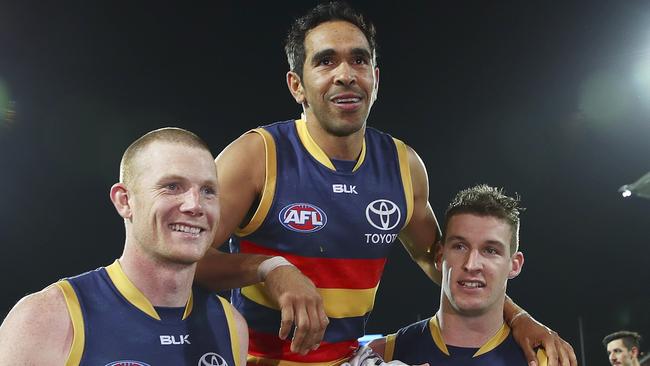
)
(383, 214)
(127, 363)
(212, 359)
(302, 218)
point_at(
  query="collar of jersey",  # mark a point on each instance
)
(491, 344)
(318, 153)
(135, 296)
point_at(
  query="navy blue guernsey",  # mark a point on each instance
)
(115, 325)
(422, 342)
(337, 227)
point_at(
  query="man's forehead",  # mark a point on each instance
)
(333, 34)
(617, 343)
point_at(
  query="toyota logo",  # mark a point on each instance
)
(212, 359)
(383, 214)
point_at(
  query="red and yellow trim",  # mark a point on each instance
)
(270, 346)
(269, 184)
(74, 310)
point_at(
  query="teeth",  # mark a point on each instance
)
(185, 229)
(471, 284)
(347, 100)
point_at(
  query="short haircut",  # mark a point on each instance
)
(172, 135)
(483, 200)
(630, 339)
(325, 12)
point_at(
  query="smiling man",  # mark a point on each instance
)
(478, 254)
(142, 309)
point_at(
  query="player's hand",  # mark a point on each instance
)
(301, 306)
(531, 334)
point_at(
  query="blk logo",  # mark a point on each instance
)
(302, 218)
(383, 214)
(344, 188)
(170, 339)
(212, 359)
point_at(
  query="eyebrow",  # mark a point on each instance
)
(169, 177)
(462, 238)
(329, 52)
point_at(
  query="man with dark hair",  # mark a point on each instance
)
(315, 204)
(142, 309)
(623, 348)
(477, 255)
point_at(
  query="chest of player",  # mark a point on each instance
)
(320, 212)
(117, 333)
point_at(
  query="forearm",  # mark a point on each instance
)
(511, 311)
(223, 271)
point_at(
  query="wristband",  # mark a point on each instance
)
(512, 321)
(270, 264)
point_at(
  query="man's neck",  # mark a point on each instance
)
(162, 283)
(335, 147)
(464, 330)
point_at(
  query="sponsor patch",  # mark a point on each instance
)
(302, 217)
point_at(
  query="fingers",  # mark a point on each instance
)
(286, 321)
(567, 355)
(551, 350)
(311, 322)
(529, 353)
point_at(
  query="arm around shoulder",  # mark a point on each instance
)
(38, 330)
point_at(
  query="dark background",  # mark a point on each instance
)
(546, 98)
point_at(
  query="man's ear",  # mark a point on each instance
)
(437, 247)
(295, 87)
(516, 262)
(635, 352)
(120, 198)
(375, 93)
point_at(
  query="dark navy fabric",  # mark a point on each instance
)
(115, 330)
(414, 345)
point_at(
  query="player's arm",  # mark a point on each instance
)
(241, 174)
(37, 331)
(422, 232)
(531, 334)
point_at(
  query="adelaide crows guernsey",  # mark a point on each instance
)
(115, 325)
(335, 226)
(422, 342)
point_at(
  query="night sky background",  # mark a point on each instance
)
(550, 99)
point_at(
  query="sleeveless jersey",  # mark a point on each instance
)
(422, 342)
(336, 227)
(115, 325)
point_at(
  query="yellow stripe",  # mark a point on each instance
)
(269, 185)
(254, 360)
(437, 335)
(493, 342)
(318, 153)
(134, 296)
(407, 182)
(389, 347)
(338, 303)
(232, 328)
(74, 309)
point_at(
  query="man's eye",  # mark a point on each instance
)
(491, 251)
(360, 61)
(325, 62)
(209, 191)
(172, 186)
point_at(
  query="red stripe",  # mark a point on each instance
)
(271, 346)
(329, 272)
